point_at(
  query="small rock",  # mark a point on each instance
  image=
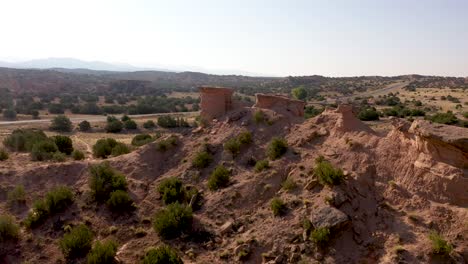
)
(329, 217)
(226, 228)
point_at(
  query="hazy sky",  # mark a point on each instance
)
(332, 38)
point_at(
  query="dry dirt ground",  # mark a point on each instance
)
(399, 187)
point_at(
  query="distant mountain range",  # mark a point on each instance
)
(81, 65)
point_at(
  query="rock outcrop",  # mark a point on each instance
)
(280, 104)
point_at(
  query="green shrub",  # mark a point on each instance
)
(120, 149)
(130, 124)
(261, 165)
(289, 184)
(84, 126)
(125, 118)
(166, 144)
(439, 245)
(142, 139)
(55, 201)
(444, 118)
(167, 122)
(103, 147)
(233, 146)
(327, 174)
(58, 199)
(114, 126)
(77, 155)
(278, 206)
(202, 160)
(9, 114)
(320, 236)
(259, 117)
(3, 155)
(277, 148)
(17, 195)
(120, 201)
(172, 221)
(311, 111)
(368, 114)
(61, 123)
(23, 139)
(149, 124)
(102, 253)
(162, 255)
(43, 150)
(59, 157)
(104, 180)
(245, 138)
(219, 178)
(76, 243)
(8, 229)
(172, 190)
(64, 144)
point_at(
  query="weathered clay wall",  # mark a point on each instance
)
(215, 102)
(280, 103)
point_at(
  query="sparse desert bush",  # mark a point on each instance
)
(233, 146)
(114, 126)
(219, 178)
(77, 155)
(172, 190)
(125, 118)
(9, 114)
(326, 173)
(149, 124)
(277, 148)
(444, 118)
(55, 201)
(76, 243)
(167, 121)
(104, 180)
(61, 123)
(320, 236)
(8, 229)
(368, 114)
(84, 126)
(259, 117)
(23, 139)
(173, 220)
(166, 144)
(142, 139)
(3, 154)
(289, 184)
(59, 157)
(162, 255)
(262, 165)
(120, 201)
(439, 245)
(43, 150)
(120, 149)
(278, 206)
(58, 199)
(130, 124)
(103, 147)
(17, 195)
(202, 160)
(64, 144)
(102, 253)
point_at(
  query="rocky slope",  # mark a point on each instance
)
(398, 188)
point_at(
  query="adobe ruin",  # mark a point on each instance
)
(280, 103)
(214, 101)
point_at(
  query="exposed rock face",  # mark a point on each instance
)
(215, 102)
(280, 104)
(329, 217)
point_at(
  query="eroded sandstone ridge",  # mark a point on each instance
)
(215, 101)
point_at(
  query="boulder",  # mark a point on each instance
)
(329, 217)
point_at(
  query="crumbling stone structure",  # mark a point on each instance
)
(215, 102)
(280, 103)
